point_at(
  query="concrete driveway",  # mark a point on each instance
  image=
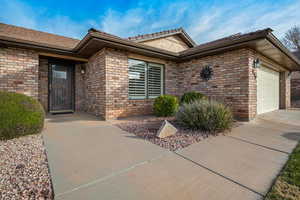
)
(92, 159)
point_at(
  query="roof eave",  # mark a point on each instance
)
(36, 46)
(190, 53)
(108, 41)
(246, 42)
(271, 38)
(188, 38)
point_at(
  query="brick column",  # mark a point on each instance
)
(285, 90)
(43, 82)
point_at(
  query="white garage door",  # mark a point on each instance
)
(267, 90)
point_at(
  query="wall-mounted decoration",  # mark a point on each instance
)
(207, 73)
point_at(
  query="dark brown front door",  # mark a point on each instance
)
(61, 87)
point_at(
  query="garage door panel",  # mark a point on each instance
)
(267, 90)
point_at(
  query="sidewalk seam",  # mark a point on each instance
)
(217, 173)
(113, 174)
(263, 146)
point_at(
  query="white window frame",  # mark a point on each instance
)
(162, 81)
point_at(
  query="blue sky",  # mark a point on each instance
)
(203, 20)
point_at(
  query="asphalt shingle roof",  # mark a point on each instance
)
(40, 37)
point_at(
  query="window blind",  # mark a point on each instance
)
(137, 79)
(145, 79)
(155, 77)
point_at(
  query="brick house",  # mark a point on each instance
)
(113, 77)
(295, 85)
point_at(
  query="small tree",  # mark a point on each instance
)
(292, 38)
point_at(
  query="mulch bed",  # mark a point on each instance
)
(147, 129)
(24, 170)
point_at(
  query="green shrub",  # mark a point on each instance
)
(165, 105)
(189, 97)
(19, 115)
(205, 115)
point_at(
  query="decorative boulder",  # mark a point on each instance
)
(166, 130)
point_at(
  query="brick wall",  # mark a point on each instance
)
(19, 71)
(234, 83)
(80, 89)
(285, 90)
(252, 87)
(117, 102)
(95, 80)
(295, 89)
(229, 84)
(103, 89)
(43, 82)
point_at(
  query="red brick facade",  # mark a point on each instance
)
(115, 93)
(285, 90)
(295, 89)
(95, 85)
(229, 84)
(19, 71)
(43, 82)
(80, 89)
(103, 89)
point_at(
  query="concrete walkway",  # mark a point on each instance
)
(91, 159)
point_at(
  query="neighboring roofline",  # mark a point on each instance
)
(152, 36)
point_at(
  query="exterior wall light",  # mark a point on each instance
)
(82, 69)
(256, 63)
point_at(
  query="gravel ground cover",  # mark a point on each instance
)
(147, 129)
(24, 170)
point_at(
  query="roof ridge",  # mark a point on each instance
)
(44, 32)
(158, 33)
(99, 31)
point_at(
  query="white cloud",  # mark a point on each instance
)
(230, 20)
(204, 21)
(18, 13)
(15, 12)
(63, 25)
(122, 24)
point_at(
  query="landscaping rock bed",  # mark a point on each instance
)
(147, 129)
(24, 170)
